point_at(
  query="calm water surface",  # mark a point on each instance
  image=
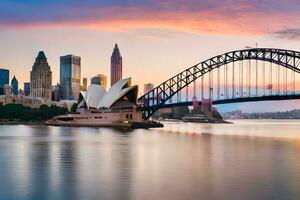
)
(245, 160)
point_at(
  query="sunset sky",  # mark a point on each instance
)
(157, 38)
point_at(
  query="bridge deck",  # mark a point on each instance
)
(235, 100)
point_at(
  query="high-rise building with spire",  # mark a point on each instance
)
(41, 78)
(115, 66)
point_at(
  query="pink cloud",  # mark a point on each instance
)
(209, 17)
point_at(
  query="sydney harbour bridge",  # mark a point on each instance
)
(253, 74)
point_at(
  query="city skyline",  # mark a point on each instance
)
(149, 99)
(158, 39)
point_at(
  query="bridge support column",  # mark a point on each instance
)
(206, 107)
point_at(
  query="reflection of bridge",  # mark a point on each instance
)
(257, 74)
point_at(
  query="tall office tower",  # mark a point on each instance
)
(27, 88)
(15, 86)
(70, 76)
(41, 78)
(148, 87)
(4, 79)
(115, 66)
(84, 84)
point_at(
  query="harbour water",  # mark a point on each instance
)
(250, 159)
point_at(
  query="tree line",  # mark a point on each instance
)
(24, 113)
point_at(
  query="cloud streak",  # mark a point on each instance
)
(291, 34)
(234, 17)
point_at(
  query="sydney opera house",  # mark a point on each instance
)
(97, 107)
(120, 95)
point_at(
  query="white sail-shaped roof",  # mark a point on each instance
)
(110, 98)
(113, 94)
(97, 97)
(93, 95)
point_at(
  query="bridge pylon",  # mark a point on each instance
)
(207, 108)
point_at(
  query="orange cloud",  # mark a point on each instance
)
(243, 19)
(209, 17)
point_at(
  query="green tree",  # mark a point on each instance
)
(20, 112)
(74, 108)
(13, 111)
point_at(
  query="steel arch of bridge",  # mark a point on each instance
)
(156, 98)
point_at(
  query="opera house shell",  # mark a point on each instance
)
(121, 94)
(116, 107)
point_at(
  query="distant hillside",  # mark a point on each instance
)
(292, 114)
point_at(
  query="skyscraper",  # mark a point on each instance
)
(4, 79)
(115, 66)
(15, 86)
(41, 78)
(100, 79)
(26, 88)
(70, 76)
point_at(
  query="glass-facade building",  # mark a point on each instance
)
(70, 76)
(27, 88)
(4, 79)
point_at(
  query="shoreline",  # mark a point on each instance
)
(22, 123)
(133, 125)
(208, 122)
(7, 122)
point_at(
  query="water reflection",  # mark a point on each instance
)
(181, 161)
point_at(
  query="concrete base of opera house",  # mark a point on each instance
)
(120, 125)
(116, 118)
